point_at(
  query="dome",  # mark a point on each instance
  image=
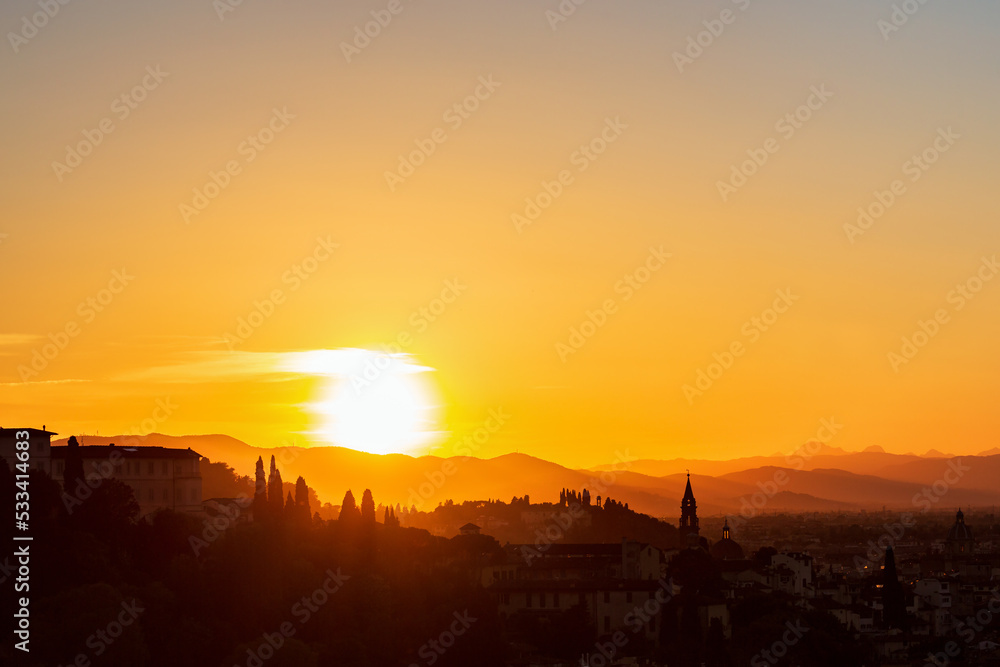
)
(960, 532)
(727, 549)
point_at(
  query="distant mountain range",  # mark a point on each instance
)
(816, 478)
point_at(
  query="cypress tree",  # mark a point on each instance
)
(368, 507)
(74, 466)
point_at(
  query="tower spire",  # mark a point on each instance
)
(688, 527)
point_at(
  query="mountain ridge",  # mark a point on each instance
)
(823, 482)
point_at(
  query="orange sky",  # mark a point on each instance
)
(308, 210)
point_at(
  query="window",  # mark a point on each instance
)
(555, 599)
(582, 599)
(59, 468)
(527, 597)
(607, 624)
(149, 468)
(541, 599)
(149, 495)
(165, 495)
(628, 596)
(163, 467)
(607, 597)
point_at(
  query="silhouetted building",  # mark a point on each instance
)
(688, 527)
(469, 529)
(726, 548)
(607, 581)
(960, 541)
(160, 477)
(39, 447)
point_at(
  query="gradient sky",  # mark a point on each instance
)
(495, 346)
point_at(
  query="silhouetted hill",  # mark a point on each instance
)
(848, 481)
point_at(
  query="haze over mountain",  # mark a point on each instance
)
(827, 481)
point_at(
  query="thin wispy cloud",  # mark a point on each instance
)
(227, 366)
(35, 382)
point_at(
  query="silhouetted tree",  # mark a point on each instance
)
(349, 508)
(368, 507)
(302, 499)
(109, 511)
(260, 490)
(715, 646)
(274, 492)
(73, 473)
(893, 602)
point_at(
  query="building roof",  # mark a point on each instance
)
(960, 532)
(10, 432)
(688, 493)
(105, 451)
(726, 549)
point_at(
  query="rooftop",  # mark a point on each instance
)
(105, 451)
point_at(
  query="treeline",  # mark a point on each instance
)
(280, 590)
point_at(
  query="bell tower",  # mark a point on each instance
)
(688, 527)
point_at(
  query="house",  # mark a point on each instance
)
(469, 529)
(160, 477)
(38, 447)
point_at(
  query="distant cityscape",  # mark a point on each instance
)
(583, 579)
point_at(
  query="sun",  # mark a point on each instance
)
(375, 402)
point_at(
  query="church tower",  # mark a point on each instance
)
(960, 542)
(688, 528)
